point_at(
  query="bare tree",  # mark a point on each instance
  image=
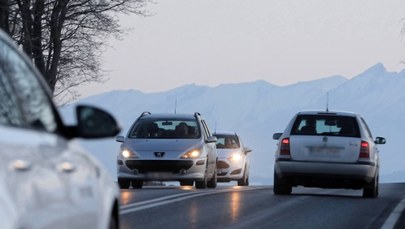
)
(65, 38)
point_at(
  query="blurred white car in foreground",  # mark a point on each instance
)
(328, 150)
(233, 158)
(46, 179)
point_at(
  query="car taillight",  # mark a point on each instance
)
(285, 147)
(364, 150)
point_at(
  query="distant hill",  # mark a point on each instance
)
(258, 109)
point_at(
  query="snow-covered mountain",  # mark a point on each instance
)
(258, 109)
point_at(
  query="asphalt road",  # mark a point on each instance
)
(257, 207)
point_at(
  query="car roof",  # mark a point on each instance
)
(5, 37)
(168, 116)
(225, 132)
(322, 112)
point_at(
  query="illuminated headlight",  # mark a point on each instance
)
(126, 153)
(192, 154)
(235, 157)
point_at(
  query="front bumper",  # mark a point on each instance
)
(161, 170)
(229, 171)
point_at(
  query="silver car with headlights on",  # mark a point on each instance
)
(233, 158)
(167, 147)
(328, 150)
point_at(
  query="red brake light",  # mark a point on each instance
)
(285, 147)
(364, 150)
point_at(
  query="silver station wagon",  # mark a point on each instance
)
(168, 147)
(327, 150)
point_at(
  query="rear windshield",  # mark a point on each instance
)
(227, 141)
(330, 125)
(165, 129)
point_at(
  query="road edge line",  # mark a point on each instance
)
(394, 216)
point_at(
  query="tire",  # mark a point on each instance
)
(281, 186)
(371, 190)
(113, 223)
(124, 184)
(244, 181)
(186, 183)
(137, 184)
(202, 184)
(213, 182)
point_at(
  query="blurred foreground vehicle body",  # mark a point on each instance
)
(46, 179)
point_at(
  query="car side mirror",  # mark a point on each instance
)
(380, 140)
(247, 150)
(211, 139)
(93, 122)
(120, 138)
(277, 136)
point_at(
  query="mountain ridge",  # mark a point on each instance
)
(258, 109)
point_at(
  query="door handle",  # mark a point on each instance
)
(20, 165)
(66, 167)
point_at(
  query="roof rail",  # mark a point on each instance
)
(145, 113)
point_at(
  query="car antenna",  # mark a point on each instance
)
(327, 101)
(175, 105)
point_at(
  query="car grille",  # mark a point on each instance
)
(222, 165)
(158, 165)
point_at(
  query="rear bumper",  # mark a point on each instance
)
(328, 175)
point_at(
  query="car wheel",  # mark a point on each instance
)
(113, 223)
(244, 181)
(137, 184)
(186, 183)
(281, 186)
(124, 184)
(371, 190)
(202, 184)
(213, 182)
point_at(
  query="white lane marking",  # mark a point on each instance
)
(155, 200)
(174, 198)
(394, 216)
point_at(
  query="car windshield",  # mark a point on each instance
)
(227, 141)
(165, 129)
(331, 125)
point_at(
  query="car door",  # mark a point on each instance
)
(44, 175)
(211, 149)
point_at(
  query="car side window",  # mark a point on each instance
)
(35, 104)
(10, 113)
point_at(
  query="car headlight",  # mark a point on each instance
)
(127, 153)
(192, 154)
(235, 157)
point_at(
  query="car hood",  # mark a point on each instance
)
(227, 152)
(162, 144)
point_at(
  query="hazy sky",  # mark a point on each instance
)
(210, 42)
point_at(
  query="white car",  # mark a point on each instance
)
(328, 150)
(46, 179)
(233, 158)
(167, 147)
